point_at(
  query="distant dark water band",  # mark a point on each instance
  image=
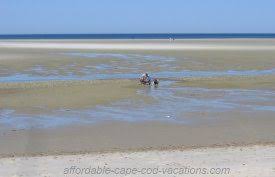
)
(139, 36)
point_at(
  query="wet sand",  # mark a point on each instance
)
(252, 83)
(125, 136)
(59, 61)
(52, 95)
(229, 103)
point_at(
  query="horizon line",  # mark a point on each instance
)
(133, 33)
(137, 36)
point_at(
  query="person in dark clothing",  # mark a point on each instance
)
(145, 79)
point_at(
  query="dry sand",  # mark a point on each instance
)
(254, 44)
(231, 161)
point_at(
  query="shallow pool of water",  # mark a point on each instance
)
(19, 77)
(174, 104)
(171, 102)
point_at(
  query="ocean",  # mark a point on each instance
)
(140, 36)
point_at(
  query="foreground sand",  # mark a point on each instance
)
(231, 161)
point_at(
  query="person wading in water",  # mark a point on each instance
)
(145, 79)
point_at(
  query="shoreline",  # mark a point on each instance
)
(144, 150)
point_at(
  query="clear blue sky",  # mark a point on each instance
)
(137, 16)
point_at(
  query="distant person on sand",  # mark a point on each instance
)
(145, 79)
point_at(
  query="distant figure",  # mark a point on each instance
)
(171, 39)
(145, 79)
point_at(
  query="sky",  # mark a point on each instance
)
(136, 16)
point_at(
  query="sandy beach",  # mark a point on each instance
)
(230, 161)
(211, 44)
(63, 100)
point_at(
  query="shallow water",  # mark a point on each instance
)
(19, 77)
(174, 104)
(171, 103)
(135, 63)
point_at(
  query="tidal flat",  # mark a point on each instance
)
(70, 96)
